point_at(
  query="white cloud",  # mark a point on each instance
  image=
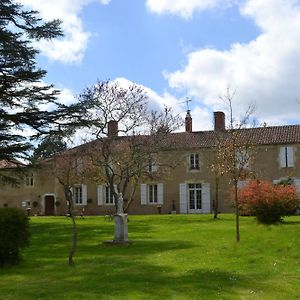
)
(184, 8)
(202, 116)
(264, 71)
(72, 46)
(105, 2)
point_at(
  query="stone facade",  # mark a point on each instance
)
(189, 188)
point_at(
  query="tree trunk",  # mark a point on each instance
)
(74, 244)
(69, 198)
(237, 212)
(217, 198)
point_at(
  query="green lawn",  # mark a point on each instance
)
(172, 257)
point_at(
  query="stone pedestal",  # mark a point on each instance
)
(121, 231)
(121, 228)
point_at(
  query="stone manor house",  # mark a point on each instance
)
(190, 188)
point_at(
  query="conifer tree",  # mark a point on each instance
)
(22, 91)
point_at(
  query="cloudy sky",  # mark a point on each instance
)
(179, 48)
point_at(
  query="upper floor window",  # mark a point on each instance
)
(286, 156)
(194, 161)
(242, 159)
(79, 166)
(29, 179)
(151, 167)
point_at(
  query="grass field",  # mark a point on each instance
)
(172, 257)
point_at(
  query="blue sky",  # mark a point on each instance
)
(177, 48)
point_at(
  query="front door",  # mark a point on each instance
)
(195, 198)
(49, 205)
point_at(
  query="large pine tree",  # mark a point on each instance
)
(21, 89)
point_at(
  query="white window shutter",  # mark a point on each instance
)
(290, 156)
(84, 194)
(100, 195)
(183, 198)
(297, 185)
(242, 183)
(143, 194)
(154, 167)
(206, 198)
(72, 194)
(160, 193)
(282, 159)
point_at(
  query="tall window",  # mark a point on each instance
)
(109, 196)
(194, 193)
(194, 161)
(78, 194)
(29, 179)
(151, 166)
(152, 193)
(286, 156)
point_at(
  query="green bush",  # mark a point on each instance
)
(14, 234)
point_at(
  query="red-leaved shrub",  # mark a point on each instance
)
(268, 202)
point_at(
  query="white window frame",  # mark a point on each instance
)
(78, 195)
(194, 161)
(79, 166)
(242, 159)
(151, 166)
(197, 189)
(109, 198)
(29, 180)
(152, 194)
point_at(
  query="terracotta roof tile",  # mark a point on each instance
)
(5, 164)
(289, 134)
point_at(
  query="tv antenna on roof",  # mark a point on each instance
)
(186, 101)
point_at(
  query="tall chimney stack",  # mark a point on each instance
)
(112, 128)
(219, 117)
(188, 122)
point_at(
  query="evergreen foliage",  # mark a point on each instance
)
(49, 146)
(14, 233)
(21, 89)
(29, 109)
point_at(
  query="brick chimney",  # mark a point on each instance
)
(188, 122)
(219, 117)
(112, 128)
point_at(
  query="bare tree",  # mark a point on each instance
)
(128, 137)
(235, 150)
(217, 165)
(67, 170)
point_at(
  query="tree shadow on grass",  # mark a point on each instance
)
(120, 277)
(290, 222)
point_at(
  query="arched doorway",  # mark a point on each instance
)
(49, 205)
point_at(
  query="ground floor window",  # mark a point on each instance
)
(78, 194)
(194, 194)
(109, 196)
(152, 193)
